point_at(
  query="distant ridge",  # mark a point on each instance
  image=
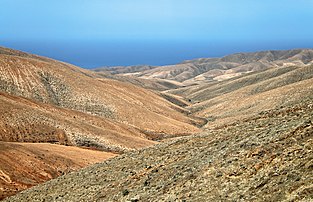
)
(207, 69)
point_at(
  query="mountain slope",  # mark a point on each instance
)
(242, 97)
(46, 101)
(267, 157)
(24, 165)
(207, 69)
(256, 144)
(67, 86)
(23, 120)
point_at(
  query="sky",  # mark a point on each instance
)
(94, 33)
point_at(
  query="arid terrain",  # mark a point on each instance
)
(237, 128)
(265, 158)
(191, 72)
(47, 101)
(24, 165)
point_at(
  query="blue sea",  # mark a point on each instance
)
(92, 54)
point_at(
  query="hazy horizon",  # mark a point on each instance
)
(120, 33)
(159, 54)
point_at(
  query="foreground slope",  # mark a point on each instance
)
(23, 165)
(268, 157)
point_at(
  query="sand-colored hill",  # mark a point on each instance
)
(255, 111)
(244, 96)
(152, 83)
(33, 125)
(67, 86)
(47, 101)
(267, 157)
(201, 70)
(23, 120)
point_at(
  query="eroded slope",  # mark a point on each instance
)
(67, 86)
(244, 96)
(268, 157)
(202, 70)
(23, 165)
(47, 101)
(23, 120)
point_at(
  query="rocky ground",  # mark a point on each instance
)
(247, 138)
(265, 158)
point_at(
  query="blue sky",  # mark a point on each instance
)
(93, 33)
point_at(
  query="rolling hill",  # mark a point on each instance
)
(244, 96)
(246, 121)
(191, 72)
(66, 86)
(45, 101)
(265, 157)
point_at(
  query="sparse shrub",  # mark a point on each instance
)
(125, 192)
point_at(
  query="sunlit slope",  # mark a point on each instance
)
(60, 84)
(241, 97)
(202, 70)
(267, 157)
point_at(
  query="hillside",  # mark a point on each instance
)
(244, 96)
(24, 165)
(267, 157)
(48, 102)
(247, 131)
(63, 85)
(152, 84)
(23, 120)
(124, 70)
(201, 70)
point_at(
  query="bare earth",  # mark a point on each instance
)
(237, 128)
(23, 165)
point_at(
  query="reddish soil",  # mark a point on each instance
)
(23, 165)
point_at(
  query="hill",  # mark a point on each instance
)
(24, 165)
(267, 157)
(201, 70)
(254, 144)
(66, 86)
(23, 120)
(152, 84)
(49, 102)
(244, 96)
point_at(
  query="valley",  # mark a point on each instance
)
(218, 129)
